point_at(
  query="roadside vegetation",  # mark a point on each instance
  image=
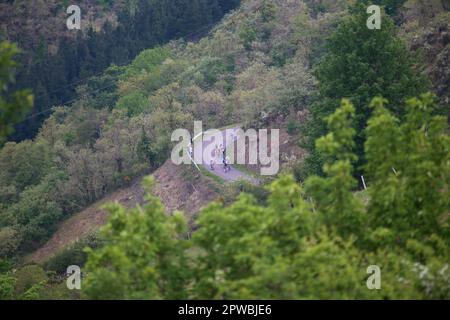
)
(363, 103)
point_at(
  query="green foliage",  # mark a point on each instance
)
(409, 193)
(101, 91)
(73, 255)
(6, 265)
(206, 73)
(7, 284)
(24, 164)
(303, 244)
(268, 11)
(121, 124)
(84, 152)
(249, 243)
(248, 34)
(13, 106)
(292, 127)
(143, 257)
(36, 213)
(334, 193)
(259, 192)
(32, 202)
(135, 103)
(367, 64)
(278, 241)
(106, 3)
(29, 281)
(147, 61)
(34, 292)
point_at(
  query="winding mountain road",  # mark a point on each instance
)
(233, 174)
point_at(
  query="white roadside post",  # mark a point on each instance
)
(364, 182)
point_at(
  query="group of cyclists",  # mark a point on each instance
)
(220, 154)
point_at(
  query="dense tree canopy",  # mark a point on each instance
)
(359, 67)
(141, 24)
(291, 247)
(278, 239)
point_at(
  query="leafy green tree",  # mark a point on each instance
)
(207, 72)
(135, 103)
(408, 172)
(13, 106)
(37, 213)
(333, 194)
(283, 250)
(143, 256)
(147, 60)
(25, 164)
(72, 255)
(248, 34)
(246, 248)
(408, 176)
(29, 281)
(360, 65)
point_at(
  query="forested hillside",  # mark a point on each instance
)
(358, 102)
(55, 60)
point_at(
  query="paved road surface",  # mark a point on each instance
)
(230, 176)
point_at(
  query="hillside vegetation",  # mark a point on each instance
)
(55, 60)
(363, 102)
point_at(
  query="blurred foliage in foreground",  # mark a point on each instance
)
(313, 241)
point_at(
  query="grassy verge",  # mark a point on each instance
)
(192, 174)
(212, 176)
(243, 168)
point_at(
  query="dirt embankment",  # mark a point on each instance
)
(183, 188)
(178, 187)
